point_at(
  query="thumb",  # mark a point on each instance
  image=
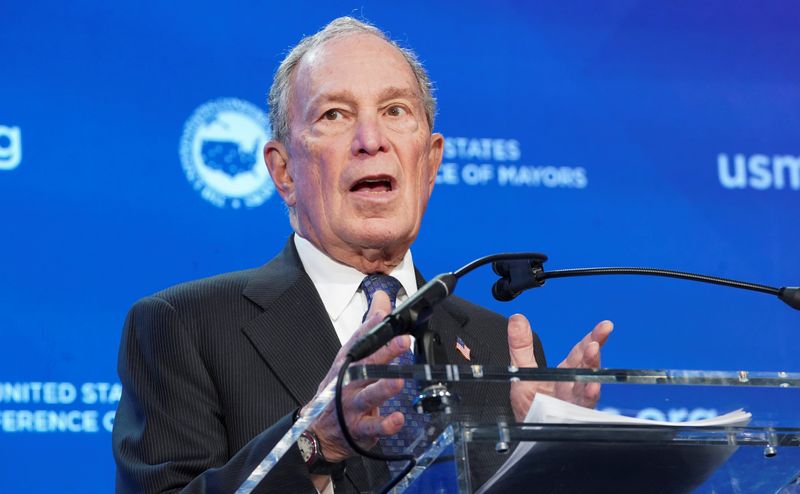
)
(520, 342)
(380, 304)
(378, 309)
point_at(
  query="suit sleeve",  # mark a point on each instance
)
(169, 433)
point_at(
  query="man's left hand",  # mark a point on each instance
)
(585, 354)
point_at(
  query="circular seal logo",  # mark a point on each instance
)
(221, 153)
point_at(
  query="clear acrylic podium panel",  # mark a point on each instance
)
(461, 447)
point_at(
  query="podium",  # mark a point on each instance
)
(474, 434)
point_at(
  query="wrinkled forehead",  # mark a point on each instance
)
(352, 62)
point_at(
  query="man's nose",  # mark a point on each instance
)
(370, 137)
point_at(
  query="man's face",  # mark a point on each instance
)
(360, 155)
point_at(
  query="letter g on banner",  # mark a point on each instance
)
(10, 147)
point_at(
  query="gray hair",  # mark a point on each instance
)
(343, 26)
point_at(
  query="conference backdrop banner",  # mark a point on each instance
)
(622, 133)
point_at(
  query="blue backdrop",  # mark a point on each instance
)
(627, 132)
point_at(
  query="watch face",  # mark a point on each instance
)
(306, 446)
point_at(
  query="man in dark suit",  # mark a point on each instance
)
(215, 371)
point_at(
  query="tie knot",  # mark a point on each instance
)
(377, 281)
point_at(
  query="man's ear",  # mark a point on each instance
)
(277, 160)
(435, 158)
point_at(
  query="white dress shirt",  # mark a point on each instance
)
(339, 286)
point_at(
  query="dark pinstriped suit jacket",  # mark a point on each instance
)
(213, 370)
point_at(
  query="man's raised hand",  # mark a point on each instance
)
(585, 354)
(361, 399)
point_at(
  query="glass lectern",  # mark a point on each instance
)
(474, 444)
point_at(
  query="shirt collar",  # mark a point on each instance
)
(338, 283)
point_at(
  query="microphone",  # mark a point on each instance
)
(790, 295)
(415, 312)
(518, 275)
(406, 317)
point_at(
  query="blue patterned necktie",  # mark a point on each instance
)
(403, 401)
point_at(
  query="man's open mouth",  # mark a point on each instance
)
(373, 184)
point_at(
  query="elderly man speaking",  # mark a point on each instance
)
(215, 371)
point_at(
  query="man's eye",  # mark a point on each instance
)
(396, 111)
(332, 115)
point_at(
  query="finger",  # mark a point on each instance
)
(590, 394)
(520, 342)
(375, 394)
(380, 305)
(601, 332)
(369, 323)
(375, 426)
(598, 335)
(592, 343)
(575, 356)
(390, 351)
(522, 394)
(378, 310)
(591, 356)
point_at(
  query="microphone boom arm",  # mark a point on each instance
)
(520, 275)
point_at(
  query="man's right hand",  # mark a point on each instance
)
(361, 399)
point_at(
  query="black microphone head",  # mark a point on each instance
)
(790, 295)
(449, 280)
(500, 268)
(502, 291)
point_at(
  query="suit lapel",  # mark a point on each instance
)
(294, 334)
(295, 337)
(451, 323)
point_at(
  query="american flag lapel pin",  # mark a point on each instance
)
(462, 347)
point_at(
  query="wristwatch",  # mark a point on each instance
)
(312, 454)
